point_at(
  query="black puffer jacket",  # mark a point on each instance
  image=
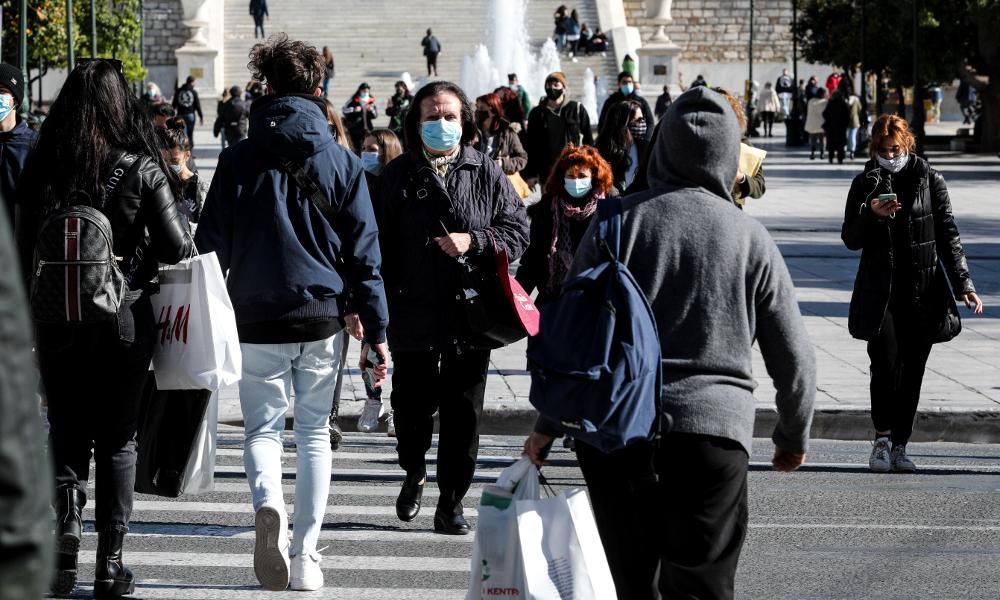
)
(934, 241)
(414, 205)
(147, 227)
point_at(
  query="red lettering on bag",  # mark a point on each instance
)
(175, 329)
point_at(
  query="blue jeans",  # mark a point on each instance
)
(271, 372)
(852, 139)
(189, 120)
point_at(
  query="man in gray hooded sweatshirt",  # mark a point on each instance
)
(716, 283)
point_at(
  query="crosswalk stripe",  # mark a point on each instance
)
(141, 506)
(337, 490)
(394, 473)
(334, 563)
(363, 456)
(215, 532)
(180, 591)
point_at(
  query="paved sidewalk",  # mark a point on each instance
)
(803, 209)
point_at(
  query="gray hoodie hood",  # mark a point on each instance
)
(698, 144)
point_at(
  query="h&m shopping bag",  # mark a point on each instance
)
(175, 443)
(497, 571)
(562, 554)
(197, 345)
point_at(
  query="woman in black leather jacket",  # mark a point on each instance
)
(912, 270)
(94, 378)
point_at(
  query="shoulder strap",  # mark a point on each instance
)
(123, 166)
(309, 188)
(609, 229)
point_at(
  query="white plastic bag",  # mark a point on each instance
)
(496, 558)
(197, 345)
(199, 476)
(561, 550)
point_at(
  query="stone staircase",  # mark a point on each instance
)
(377, 40)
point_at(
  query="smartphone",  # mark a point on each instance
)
(368, 374)
(883, 198)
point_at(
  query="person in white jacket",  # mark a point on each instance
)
(768, 106)
(814, 123)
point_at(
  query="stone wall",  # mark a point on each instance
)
(164, 32)
(719, 30)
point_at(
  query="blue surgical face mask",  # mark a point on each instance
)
(441, 135)
(6, 105)
(364, 95)
(578, 188)
(371, 163)
(177, 168)
(627, 89)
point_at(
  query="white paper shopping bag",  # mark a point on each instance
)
(197, 345)
(562, 554)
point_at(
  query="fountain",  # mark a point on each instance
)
(589, 98)
(508, 51)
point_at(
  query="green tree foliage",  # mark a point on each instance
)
(955, 39)
(118, 33)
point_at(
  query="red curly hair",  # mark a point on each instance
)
(892, 128)
(601, 177)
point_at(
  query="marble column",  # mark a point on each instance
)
(201, 55)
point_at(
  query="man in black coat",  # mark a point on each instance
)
(556, 122)
(16, 138)
(234, 117)
(626, 91)
(187, 105)
(443, 209)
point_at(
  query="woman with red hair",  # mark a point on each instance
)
(912, 271)
(578, 181)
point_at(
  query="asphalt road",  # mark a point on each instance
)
(832, 530)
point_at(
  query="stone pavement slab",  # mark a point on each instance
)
(803, 210)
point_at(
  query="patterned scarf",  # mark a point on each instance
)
(441, 163)
(561, 250)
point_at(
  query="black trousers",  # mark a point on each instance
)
(453, 385)
(94, 383)
(898, 357)
(768, 119)
(432, 63)
(681, 536)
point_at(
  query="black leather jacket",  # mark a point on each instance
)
(934, 241)
(147, 226)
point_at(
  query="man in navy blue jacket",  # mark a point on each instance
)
(16, 138)
(292, 266)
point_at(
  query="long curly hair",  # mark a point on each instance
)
(601, 177)
(615, 139)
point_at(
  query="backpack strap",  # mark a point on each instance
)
(309, 188)
(609, 228)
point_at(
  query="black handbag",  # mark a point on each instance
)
(939, 310)
(169, 421)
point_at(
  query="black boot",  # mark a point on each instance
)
(69, 530)
(408, 503)
(111, 578)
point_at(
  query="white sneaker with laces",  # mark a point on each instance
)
(270, 550)
(390, 425)
(879, 461)
(901, 463)
(370, 415)
(306, 574)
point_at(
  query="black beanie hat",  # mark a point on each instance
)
(12, 79)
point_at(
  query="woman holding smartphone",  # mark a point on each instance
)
(912, 271)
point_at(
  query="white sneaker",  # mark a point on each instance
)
(306, 574)
(370, 415)
(270, 551)
(879, 461)
(390, 425)
(901, 463)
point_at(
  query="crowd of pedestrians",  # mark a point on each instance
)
(572, 36)
(330, 228)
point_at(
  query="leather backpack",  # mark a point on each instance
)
(76, 277)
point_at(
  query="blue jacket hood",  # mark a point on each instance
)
(293, 126)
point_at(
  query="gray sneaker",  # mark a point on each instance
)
(368, 422)
(901, 463)
(879, 461)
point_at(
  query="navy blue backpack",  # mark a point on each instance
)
(595, 363)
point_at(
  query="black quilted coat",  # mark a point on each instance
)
(936, 256)
(414, 205)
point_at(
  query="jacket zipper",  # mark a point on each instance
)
(42, 263)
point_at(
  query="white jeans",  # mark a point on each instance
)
(270, 373)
